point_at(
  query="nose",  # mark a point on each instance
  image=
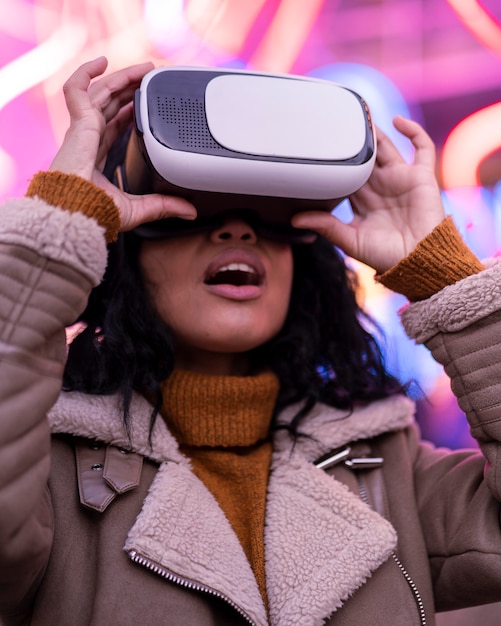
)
(234, 229)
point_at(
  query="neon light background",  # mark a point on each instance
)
(438, 61)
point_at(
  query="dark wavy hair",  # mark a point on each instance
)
(326, 351)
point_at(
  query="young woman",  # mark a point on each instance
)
(222, 443)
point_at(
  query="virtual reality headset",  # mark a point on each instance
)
(231, 140)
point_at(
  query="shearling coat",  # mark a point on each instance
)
(96, 529)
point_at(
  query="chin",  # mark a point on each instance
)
(239, 340)
(239, 345)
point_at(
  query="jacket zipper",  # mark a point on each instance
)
(183, 582)
(412, 585)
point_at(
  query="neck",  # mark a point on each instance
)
(212, 363)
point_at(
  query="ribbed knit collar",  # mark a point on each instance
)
(203, 410)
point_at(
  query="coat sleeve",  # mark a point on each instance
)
(459, 492)
(461, 326)
(49, 261)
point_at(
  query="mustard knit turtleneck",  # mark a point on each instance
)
(222, 423)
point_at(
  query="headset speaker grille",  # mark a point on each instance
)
(187, 115)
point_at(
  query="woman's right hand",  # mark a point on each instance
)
(99, 111)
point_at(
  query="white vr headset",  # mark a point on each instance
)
(237, 139)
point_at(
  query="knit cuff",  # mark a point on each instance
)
(440, 259)
(75, 194)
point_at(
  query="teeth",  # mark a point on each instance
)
(238, 274)
(237, 267)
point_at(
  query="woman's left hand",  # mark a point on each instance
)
(398, 206)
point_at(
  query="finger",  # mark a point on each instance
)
(114, 128)
(112, 92)
(387, 152)
(361, 200)
(328, 226)
(115, 104)
(153, 207)
(120, 79)
(422, 142)
(78, 83)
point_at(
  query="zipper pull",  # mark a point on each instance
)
(333, 458)
(364, 462)
(344, 455)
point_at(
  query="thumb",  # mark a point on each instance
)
(328, 226)
(151, 207)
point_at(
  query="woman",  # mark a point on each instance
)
(228, 447)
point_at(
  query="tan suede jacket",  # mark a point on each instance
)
(98, 530)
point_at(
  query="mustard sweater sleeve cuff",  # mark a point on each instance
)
(440, 259)
(75, 194)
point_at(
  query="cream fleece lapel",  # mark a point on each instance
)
(100, 417)
(326, 428)
(322, 543)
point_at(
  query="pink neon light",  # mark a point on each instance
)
(468, 144)
(222, 24)
(480, 22)
(286, 35)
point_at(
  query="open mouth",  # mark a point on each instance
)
(237, 274)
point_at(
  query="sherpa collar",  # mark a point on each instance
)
(191, 538)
